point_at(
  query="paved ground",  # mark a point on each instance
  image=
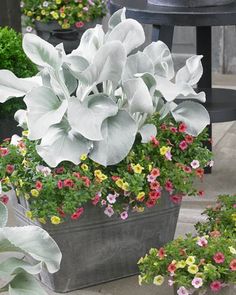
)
(222, 180)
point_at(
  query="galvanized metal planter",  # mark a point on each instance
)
(190, 3)
(54, 34)
(99, 249)
(229, 290)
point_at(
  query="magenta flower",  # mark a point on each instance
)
(183, 145)
(219, 258)
(202, 242)
(124, 215)
(216, 286)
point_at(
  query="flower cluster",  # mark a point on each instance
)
(66, 12)
(159, 168)
(195, 262)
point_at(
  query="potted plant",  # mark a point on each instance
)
(64, 21)
(13, 58)
(17, 273)
(194, 265)
(103, 130)
(190, 3)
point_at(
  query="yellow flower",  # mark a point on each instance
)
(55, 220)
(55, 15)
(190, 260)
(200, 275)
(164, 150)
(158, 280)
(58, 1)
(17, 192)
(140, 280)
(120, 183)
(27, 196)
(149, 167)
(25, 133)
(6, 180)
(62, 15)
(34, 193)
(98, 173)
(140, 209)
(21, 182)
(65, 26)
(193, 269)
(25, 163)
(79, 14)
(43, 12)
(23, 152)
(28, 214)
(140, 196)
(80, 6)
(83, 157)
(42, 220)
(181, 264)
(84, 167)
(137, 168)
(141, 260)
(233, 216)
(125, 186)
(29, 13)
(38, 17)
(232, 250)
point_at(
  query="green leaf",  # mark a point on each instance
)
(3, 214)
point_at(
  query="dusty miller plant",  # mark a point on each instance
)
(31, 240)
(95, 100)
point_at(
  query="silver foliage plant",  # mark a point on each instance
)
(95, 100)
(18, 274)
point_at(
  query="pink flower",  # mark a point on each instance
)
(197, 282)
(111, 198)
(77, 175)
(182, 127)
(96, 199)
(124, 215)
(176, 199)
(79, 24)
(182, 291)
(201, 193)
(59, 170)
(234, 205)
(61, 212)
(183, 145)
(154, 141)
(233, 265)
(155, 185)
(103, 202)
(39, 185)
(10, 168)
(195, 164)
(202, 242)
(151, 203)
(171, 268)
(161, 253)
(171, 283)
(77, 214)
(4, 152)
(189, 139)
(155, 172)
(168, 156)
(187, 169)
(151, 178)
(154, 195)
(68, 183)
(173, 129)
(60, 184)
(4, 199)
(216, 286)
(169, 186)
(109, 211)
(86, 181)
(219, 257)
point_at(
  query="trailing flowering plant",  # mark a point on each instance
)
(66, 12)
(194, 264)
(168, 163)
(221, 218)
(102, 108)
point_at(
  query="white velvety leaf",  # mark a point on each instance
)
(11, 86)
(161, 57)
(138, 63)
(191, 72)
(70, 81)
(138, 96)
(87, 117)
(116, 18)
(166, 109)
(21, 117)
(41, 52)
(147, 131)
(62, 144)
(13, 265)
(37, 243)
(150, 82)
(3, 214)
(194, 115)
(191, 94)
(76, 64)
(25, 284)
(108, 64)
(44, 109)
(129, 32)
(119, 134)
(90, 42)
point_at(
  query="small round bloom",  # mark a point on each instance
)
(155, 172)
(137, 168)
(155, 185)
(233, 265)
(164, 150)
(216, 286)
(111, 198)
(161, 253)
(219, 258)
(190, 260)
(195, 164)
(151, 178)
(4, 199)
(10, 169)
(68, 183)
(176, 199)
(55, 220)
(201, 193)
(202, 242)
(197, 282)
(232, 250)
(34, 193)
(154, 195)
(182, 291)
(84, 167)
(172, 267)
(124, 215)
(182, 127)
(83, 157)
(29, 29)
(193, 269)
(79, 24)
(181, 264)
(171, 283)
(119, 183)
(158, 280)
(154, 141)
(29, 214)
(109, 211)
(39, 185)
(86, 181)
(96, 199)
(4, 152)
(140, 197)
(183, 145)
(187, 169)
(151, 203)
(199, 172)
(77, 214)
(60, 184)
(169, 186)
(189, 139)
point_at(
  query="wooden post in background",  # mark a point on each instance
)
(10, 14)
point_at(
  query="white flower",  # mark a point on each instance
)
(171, 283)
(44, 170)
(124, 215)
(29, 29)
(195, 164)
(45, 4)
(109, 211)
(158, 280)
(182, 291)
(211, 163)
(111, 198)
(232, 250)
(197, 282)
(202, 242)
(22, 4)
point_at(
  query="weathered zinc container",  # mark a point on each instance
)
(190, 3)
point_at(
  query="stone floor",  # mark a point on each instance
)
(222, 180)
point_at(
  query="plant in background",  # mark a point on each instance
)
(16, 273)
(221, 219)
(102, 108)
(66, 12)
(13, 58)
